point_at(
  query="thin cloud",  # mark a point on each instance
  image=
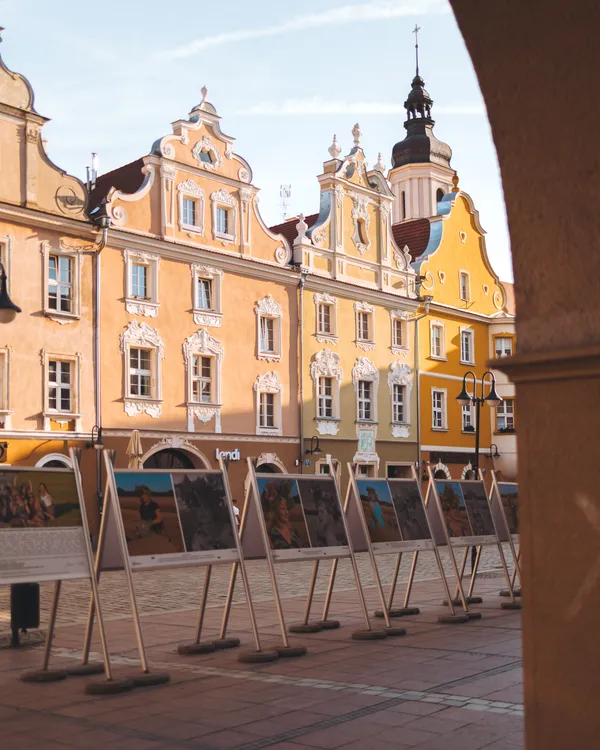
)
(318, 106)
(376, 10)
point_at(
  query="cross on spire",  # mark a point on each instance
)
(416, 33)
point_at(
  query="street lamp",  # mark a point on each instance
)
(495, 453)
(316, 449)
(465, 398)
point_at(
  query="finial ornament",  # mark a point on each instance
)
(416, 33)
(301, 228)
(455, 189)
(356, 134)
(380, 165)
(335, 149)
(204, 92)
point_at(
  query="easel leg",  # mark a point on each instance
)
(44, 674)
(394, 581)
(203, 601)
(334, 567)
(411, 578)
(304, 626)
(512, 604)
(462, 571)
(474, 570)
(228, 601)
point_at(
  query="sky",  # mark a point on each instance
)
(283, 76)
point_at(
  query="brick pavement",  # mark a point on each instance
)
(441, 687)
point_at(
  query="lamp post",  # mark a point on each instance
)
(493, 451)
(316, 449)
(465, 398)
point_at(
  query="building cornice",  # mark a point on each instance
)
(28, 216)
(440, 307)
(343, 288)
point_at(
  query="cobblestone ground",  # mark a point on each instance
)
(178, 590)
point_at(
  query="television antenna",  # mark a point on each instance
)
(285, 193)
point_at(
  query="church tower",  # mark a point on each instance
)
(421, 171)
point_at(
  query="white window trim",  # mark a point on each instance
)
(503, 336)
(65, 460)
(364, 369)
(326, 364)
(142, 336)
(223, 199)
(401, 374)
(214, 316)
(442, 356)
(497, 428)
(6, 245)
(471, 332)
(62, 417)
(57, 315)
(190, 189)
(269, 383)
(403, 316)
(468, 298)
(462, 424)
(337, 467)
(5, 400)
(444, 427)
(133, 305)
(267, 307)
(202, 344)
(326, 299)
(363, 307)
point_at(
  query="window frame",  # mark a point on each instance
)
(269, 384)
(135, 305)
(320, 301)
(202, 344)
(443, 392)
(141, 336)
(437, 324)
(5, 400)
(327, 364)
(365, 371)
(56, 415)
(75, 258)
(6, 245)
(400, 317)
(471, 416)
(503, 404)
(467, 277)
(503, 337)
(468, 333)
(403, 390)
(142, 372)
(268, 308)
(366, 344)
(203, 316)
(223, 199)
(190, 190)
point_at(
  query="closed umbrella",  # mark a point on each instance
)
(134, 450)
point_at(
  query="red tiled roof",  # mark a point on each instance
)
(288, 228)
(510, 297)
(413, 233)
(128, 178)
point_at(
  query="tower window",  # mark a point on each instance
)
(403, 216)
(439, 195)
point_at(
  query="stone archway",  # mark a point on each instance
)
(174, 455)
(532, 59)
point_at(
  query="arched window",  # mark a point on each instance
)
(169, 458)
(439, 195)
(403, 206)
(55, 461)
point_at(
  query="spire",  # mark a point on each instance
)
(335, 149)
(356, 134)
(379, 164)
(416, 33)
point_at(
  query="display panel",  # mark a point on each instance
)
(454, 509)
(41, 528)
(478, 508)
(322, 512)
(509, 494)
(203, 512)
(282, 512)
(378, 509)
(409, 508)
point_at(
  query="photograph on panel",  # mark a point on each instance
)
(509, 494)
(323, 513)
(409, 509)
(203, 511)
(283, 514)
(149, 513)
(478, 508)
(454, 508)
(38, 499)
(378, 508)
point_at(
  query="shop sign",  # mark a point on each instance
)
(231, 455)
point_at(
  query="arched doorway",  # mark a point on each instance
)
(269, 469)
(169, 458)
(55, 461)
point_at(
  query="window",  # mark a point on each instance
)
(140, 373)
(224, 207)
(503, 346)
(139, 281)
(505, 415)
(205, 156)
(204, 294)
(397, 333)
(201, 379)
(437, 341)
(365, 470)
(467, 354)
(398, 402)
(324, 318)
(189, 212)
(268, 315)
(364, 318)
(60, 386)
(207, 285)
(61, 380)
(439, 195)
(267, 410)
(438, 404)
(468, 423)
(363, 326)
(364, 399)
(60, 283)
(4, 386)
(403, 206)
(325, 407)
(222, 220)
(6, 243)
(465, 287)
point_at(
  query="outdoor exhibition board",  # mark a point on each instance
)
(44, 536)
(169, 519)
(394, 519)
(300, 517)
(466, 520)
(504, 503)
